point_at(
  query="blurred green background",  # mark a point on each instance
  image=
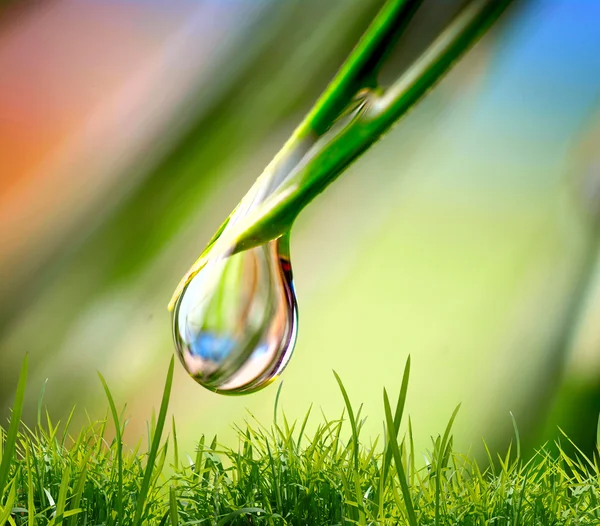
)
(467, 238)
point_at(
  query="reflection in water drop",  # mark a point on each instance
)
(235, 322)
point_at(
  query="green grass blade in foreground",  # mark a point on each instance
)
(119, 444)
(40, 403)
(598, 435)
(517, 435)
(355, 448)
(62, 496)
(305, 180)
(175, 445)
(5, 511)
(30, 494)
(160, 423)
(8, 449)
(352, 419)
(275, 407)
(442, 459)
(77, 494)
(276, 215)
(393, 443)
(398, 414)
(173, 513)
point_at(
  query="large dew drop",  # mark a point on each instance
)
(235, 322)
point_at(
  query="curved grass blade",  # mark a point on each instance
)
(517, 435)
(118, 438)
(279, 387)
(442, 459)
(175, 445)
(40, 403)
(361, 65)
(355, 449)
(352, 419)
(8, 506)
(278, 211)
(160, 424)
(398, 415)
(357, 71)
(393, 443)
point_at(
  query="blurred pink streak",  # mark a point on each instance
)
(85, 92)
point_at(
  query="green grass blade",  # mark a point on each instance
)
(160, 423)
(10, 441)
(351, 417)
(355, 449)
(119, 445)
(199, 455)
(517, 436)
(80, 486)
(173, 513)
(62, 496)
(30, 493)
(278, 211)
(442, 459)
(303, 426)
(364, 61)
(8, 505)
(598, 434)
(166, 517)
(67, 425)
(398, 414)
(279, 387)
(40, 404)
(412, 451)
(393, 443)
(175, 446)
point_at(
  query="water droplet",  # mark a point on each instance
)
(235, 322)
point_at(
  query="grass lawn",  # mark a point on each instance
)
(279, 475)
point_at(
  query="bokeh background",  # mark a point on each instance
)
(467, 238)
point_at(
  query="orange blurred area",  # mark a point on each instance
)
(86, 88)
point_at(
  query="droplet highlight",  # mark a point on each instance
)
(235, 322)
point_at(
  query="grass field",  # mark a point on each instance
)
(279, 475)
